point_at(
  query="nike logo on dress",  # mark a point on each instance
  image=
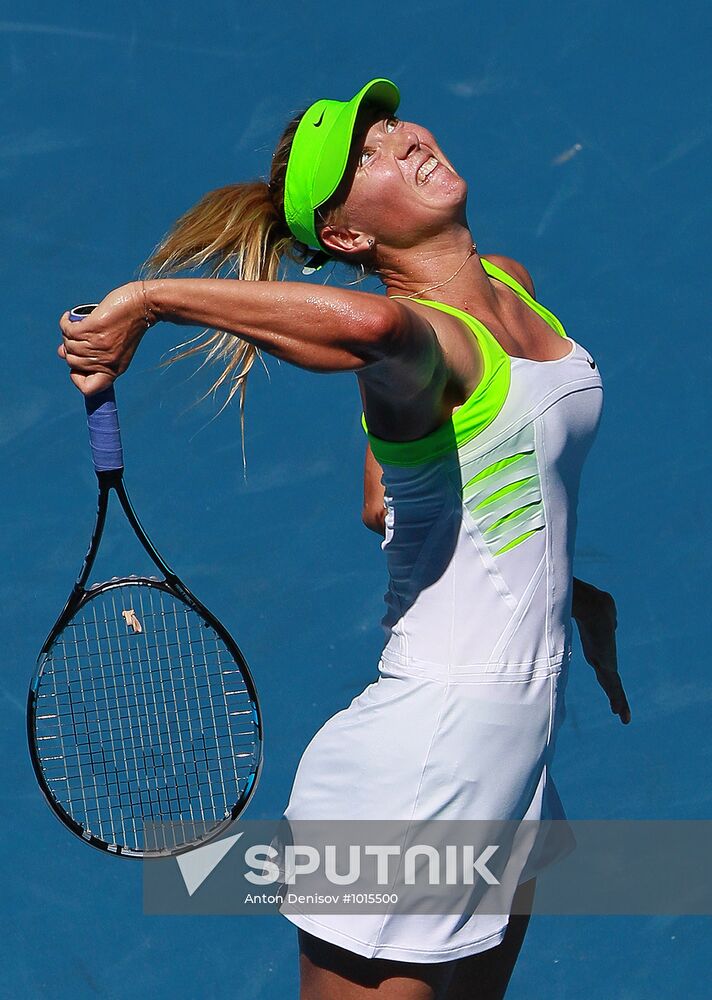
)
(591, 362)
(321, 118)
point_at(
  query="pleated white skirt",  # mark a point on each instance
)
(425, 744)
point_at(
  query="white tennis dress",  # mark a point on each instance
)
(462, 720)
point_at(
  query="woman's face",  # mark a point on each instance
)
(399, 186)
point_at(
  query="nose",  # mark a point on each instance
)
(404, 142)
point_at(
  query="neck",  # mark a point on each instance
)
(445, 260)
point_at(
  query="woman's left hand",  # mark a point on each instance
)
(99, 347)
(597, 619)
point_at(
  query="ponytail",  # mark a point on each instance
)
(235, 231)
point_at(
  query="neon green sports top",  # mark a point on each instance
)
(480, 408)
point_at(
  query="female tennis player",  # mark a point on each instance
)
(479, 411)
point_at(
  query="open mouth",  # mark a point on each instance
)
(426, 169)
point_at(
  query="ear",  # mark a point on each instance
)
(345, 241)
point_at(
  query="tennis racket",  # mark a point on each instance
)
(143, 721)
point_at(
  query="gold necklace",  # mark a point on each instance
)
(416, 295)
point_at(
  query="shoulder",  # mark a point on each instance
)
(515, 269)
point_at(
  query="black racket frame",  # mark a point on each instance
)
(79, 596)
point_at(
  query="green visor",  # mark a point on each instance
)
(320, 152)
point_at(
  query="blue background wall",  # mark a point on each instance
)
(112, 124)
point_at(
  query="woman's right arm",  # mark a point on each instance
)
(314, 327)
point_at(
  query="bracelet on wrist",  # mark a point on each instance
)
(148, 320)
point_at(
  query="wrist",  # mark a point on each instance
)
(178, 300)
(147, 298)
(375, 520)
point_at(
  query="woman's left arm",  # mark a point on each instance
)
(595, 614)
(373, 512)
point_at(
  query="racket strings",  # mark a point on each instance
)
(144, 714)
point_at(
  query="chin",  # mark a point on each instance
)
(454, 197)
(453, 188)
(461, 187)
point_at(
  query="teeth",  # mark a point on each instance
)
(427, 169)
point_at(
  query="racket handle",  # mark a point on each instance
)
(102, 419)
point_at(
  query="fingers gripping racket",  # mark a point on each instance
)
(142, 709)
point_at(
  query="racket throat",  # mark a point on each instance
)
(110, 479)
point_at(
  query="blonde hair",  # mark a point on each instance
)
(240, 231)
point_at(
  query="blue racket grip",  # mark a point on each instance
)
(102, 419)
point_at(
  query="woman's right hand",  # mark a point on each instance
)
(99, 347)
